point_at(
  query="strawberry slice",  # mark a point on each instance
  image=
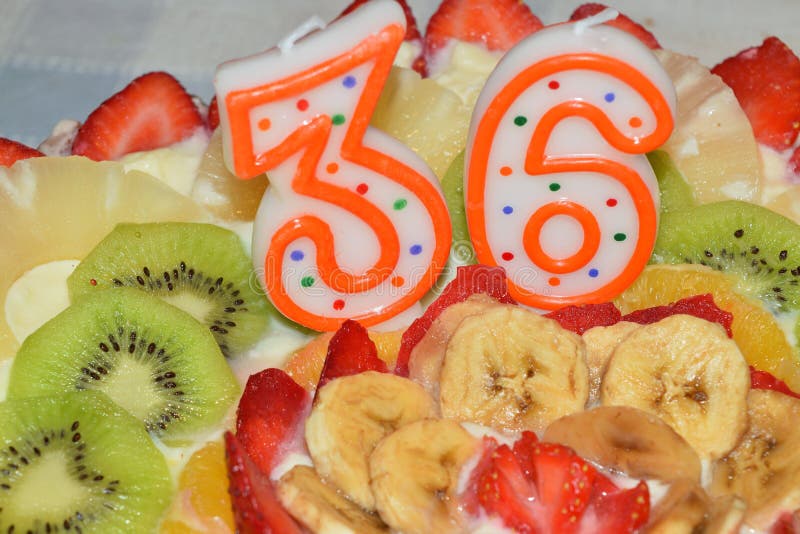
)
(701, 306)
(270, 417)
(212, 120)
(794, 165)
(787, 523)
(622, 22)
(766, 81)
(350, 351)
(469, 280)
(496, 24)
(256, 508)
(766, 380)
(579, 319)
(153, 111)
(12, 151)
(616, 511)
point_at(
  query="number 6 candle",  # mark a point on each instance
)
(558, 191)
(353, 224)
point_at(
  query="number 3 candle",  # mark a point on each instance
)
(558, 191)
(353, 224)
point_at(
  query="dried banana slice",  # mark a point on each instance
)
(415, 472)
(321, 508)
(764, 468)
(512, 369)
(350, 416)
(627, 439)
(600, 343)
(688, 372)
(687, 508)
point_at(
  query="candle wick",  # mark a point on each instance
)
(604, 16)
(312, 24)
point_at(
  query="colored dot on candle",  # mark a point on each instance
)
(508, 256)
(415, 249)
(620, 236)
(338, 304)
(554, 186)
(349, 81)
(635, 122)
(398, 281)
(362, 189)
(307, 281)
(611, 202)
(505, 171)
(264, 124)
(297, 255)
(553, 85)
(332, 168)
(519, 120)
(400, 203)
(508, 210)
(554, 281)
(610, 97)
(594, 273)
(337, 119)
(302, 104)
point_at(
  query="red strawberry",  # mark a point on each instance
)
(622, 22)
(256, 508)
(765, 380)
(497, 24)
(412, 30)
(212, 120)
(270, 417)
(469, 280)
(350, 352)
(579, 319)
(766, 81)
(616, 511)
(701, 306)
(787, 523)
(12, 151)
(794, 166)
(153, 111)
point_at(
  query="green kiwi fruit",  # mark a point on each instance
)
(675, 192)
(462, 251)
(201, 268)
(151, 358)
(758, 246)
(77, 462)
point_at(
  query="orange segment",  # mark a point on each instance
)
(755, 329)
(305, 365)
(202, 504)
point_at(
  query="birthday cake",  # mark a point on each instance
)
(151, 385)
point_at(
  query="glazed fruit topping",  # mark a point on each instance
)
(766, 81)
(765, 380)
(701, 306)
(153, 111)
(579, 319)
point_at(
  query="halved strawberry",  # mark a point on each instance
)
(270, 417)
(616, 511)
(579, 319)
(153, 111)
(496, 24)
(212, 119)
(765, 380)
(766, 81)
(412, 30)
(469, 280)
(12, 151)
(256, 508)
(622, 22)
(350, 351)
(787, 523)
(701, 306)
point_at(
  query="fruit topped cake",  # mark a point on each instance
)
(150, 383)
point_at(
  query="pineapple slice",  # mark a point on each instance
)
(431, 120)
(60, 208)
(713, 143)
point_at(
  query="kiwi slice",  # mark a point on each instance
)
(77, 462)
(201, 268)
(151, 358)
(758, 246)
(675, 192)
(453, 188)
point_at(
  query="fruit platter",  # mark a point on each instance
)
(156, 375)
